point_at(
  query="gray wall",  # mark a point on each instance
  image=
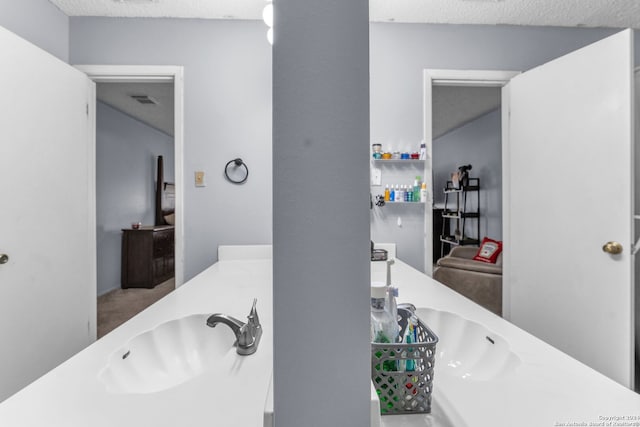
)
(126, 153)
(228, 84)
(478, 143)
(321, 258)
(228, 103)
(38, 21)
(227, 75)
(384, 220)
(399, 54)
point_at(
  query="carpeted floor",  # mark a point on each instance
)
(120, 305)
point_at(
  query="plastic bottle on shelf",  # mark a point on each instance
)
(423, 151)
(416, 189)
(399, 194)
(392, 195)
(423, 193)
(407, 193)
(387, 193)
(377, 151)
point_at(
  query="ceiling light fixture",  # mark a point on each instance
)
(267, 17)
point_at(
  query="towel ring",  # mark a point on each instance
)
(237, 164)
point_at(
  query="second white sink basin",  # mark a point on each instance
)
(168, 355)
(467, 349)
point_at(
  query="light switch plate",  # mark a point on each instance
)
(376, 177)
(199, 179)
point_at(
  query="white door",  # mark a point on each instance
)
(568, 191)
(47, 214)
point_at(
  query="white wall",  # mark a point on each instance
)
(478, 143)
(227, 78)
(126, 153)
(38, 21)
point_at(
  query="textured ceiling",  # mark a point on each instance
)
(160, 116)
(454, 106)
(567, 13)
(564, 13)
(211, 9)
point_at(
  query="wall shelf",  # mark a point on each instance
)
(384, 219)
(404, 203)
(462, 189)
(398, 161)
(459, 213)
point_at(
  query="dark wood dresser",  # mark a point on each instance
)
(147, 256)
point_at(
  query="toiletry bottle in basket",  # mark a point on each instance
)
(391, 305)
(384, 326)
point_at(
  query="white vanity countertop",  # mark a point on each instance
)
(548, 388)
(71, 395)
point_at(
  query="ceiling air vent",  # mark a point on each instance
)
(144, 99)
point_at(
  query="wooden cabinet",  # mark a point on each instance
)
(147, 256)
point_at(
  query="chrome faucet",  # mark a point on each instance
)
(247, 334)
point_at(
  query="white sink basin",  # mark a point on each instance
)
(467, 349)
(168, 355)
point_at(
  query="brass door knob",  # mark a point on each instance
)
(4, 258)
(612, 248)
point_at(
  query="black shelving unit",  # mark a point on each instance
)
(456, 209)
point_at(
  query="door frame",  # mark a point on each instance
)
(146, 74)
(470, 78)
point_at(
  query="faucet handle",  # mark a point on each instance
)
(246, 336)
(250, 333)
(253, 318)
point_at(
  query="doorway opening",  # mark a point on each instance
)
(467, 135)
(462, 126)
(139, 190)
